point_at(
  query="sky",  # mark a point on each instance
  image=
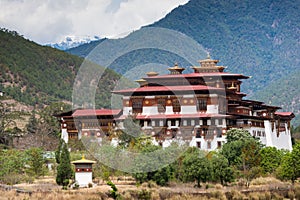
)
(50, 21)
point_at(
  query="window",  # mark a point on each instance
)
(198, 133)
(161, 105)
(176, 105)
(173, 123)
(219, 133)
(137, 105)
(161, 122)
(92, 134)
(219, 144)
(222, 105)
(198, 144)
(152, 123)
(220, 121)
(208, 145)
(174, 132)
(201, 104)
(192, 122)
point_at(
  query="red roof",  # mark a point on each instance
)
(190, 75)
(95, 112)
(176, 116)
(284, 114)
(168, 88)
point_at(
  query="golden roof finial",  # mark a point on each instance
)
(208, 55)
(83, 158)
(176, 65)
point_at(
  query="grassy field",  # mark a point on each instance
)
(260, 189)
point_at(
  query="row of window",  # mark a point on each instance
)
(208, 144)
(258, 133)
(190, 122)
(208, 133)
(137, 105)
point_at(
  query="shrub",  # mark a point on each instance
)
(218, 195)
(234, 195)
(144, 194)
(291, 195)
(276, 196)
(114, 192)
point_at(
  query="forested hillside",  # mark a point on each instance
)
(38, 75)
(252, 37)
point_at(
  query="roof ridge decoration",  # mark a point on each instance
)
(176, 69)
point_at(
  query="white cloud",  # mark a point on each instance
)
(47, 21)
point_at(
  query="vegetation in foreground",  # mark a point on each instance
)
(240, 161)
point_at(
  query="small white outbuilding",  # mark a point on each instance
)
(83, 172)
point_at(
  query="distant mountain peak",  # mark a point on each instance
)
(73, 41)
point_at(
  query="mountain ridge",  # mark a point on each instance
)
(39, 75)
(255, 38)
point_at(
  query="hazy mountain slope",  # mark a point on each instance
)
(35, 74)
(259, 38)
(254, 37)
(84, 49)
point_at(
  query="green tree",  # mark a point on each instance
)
(221, 170)
(241, 149)
(32, 125)
(58, 151)
(64, 168)
(236, 134)
(7, 123)
(270, 159)
(196, 167)
(144, 167)
(131, 132)
(48, 123)
(35, 161)
(290, 165)
(11, 161)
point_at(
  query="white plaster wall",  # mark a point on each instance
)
(167, 143)
(268, 131)
(188, 109)
(83, 178)
(212, 109)
(79, 134)
(127, 110)
(169, 110)
(283, 141)
(150, 110)
(64, 135)
(214, 143)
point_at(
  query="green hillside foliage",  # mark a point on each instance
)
(39, 75)
(255, 38)
(252, 37)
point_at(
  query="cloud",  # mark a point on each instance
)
(114, 5)
(46, 21)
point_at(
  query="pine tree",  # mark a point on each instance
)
(32, 124)
(58, 151)
(64, 169)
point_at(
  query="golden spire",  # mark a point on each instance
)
(208, 55)
(176, 69)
